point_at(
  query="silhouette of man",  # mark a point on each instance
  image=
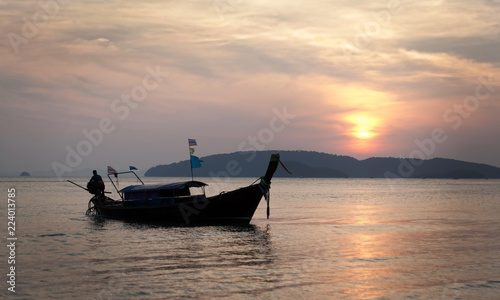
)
(96, 185)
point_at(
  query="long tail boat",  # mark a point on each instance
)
(178, 203)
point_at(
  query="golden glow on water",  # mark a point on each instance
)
(363, 214)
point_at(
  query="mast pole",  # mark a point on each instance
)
(190, 161)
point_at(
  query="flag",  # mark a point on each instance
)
(111, 170)
(195, 162)
(191, 150)
(132, 168)
(192, 142)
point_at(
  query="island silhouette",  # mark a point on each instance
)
(323, 165)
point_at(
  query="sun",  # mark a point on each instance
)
(363, 126)
(363, 134)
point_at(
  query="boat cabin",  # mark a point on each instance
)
(162, 194)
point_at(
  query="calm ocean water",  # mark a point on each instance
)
(326, 239)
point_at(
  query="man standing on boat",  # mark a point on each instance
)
(96, 184)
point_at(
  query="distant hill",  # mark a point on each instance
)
(316, 164)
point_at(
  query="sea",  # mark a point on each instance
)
(325, 239)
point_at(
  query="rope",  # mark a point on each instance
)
(255, 181)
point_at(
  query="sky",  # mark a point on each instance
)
(86, 84)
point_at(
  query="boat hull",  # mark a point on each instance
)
(234, 207)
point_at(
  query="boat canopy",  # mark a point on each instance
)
(162, 187)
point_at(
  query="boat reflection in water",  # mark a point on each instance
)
(180, 261)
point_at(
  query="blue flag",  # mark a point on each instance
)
(132, 168)
(195, 162)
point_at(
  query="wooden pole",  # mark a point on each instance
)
(190, 161)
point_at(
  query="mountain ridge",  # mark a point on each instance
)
(318, 164)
